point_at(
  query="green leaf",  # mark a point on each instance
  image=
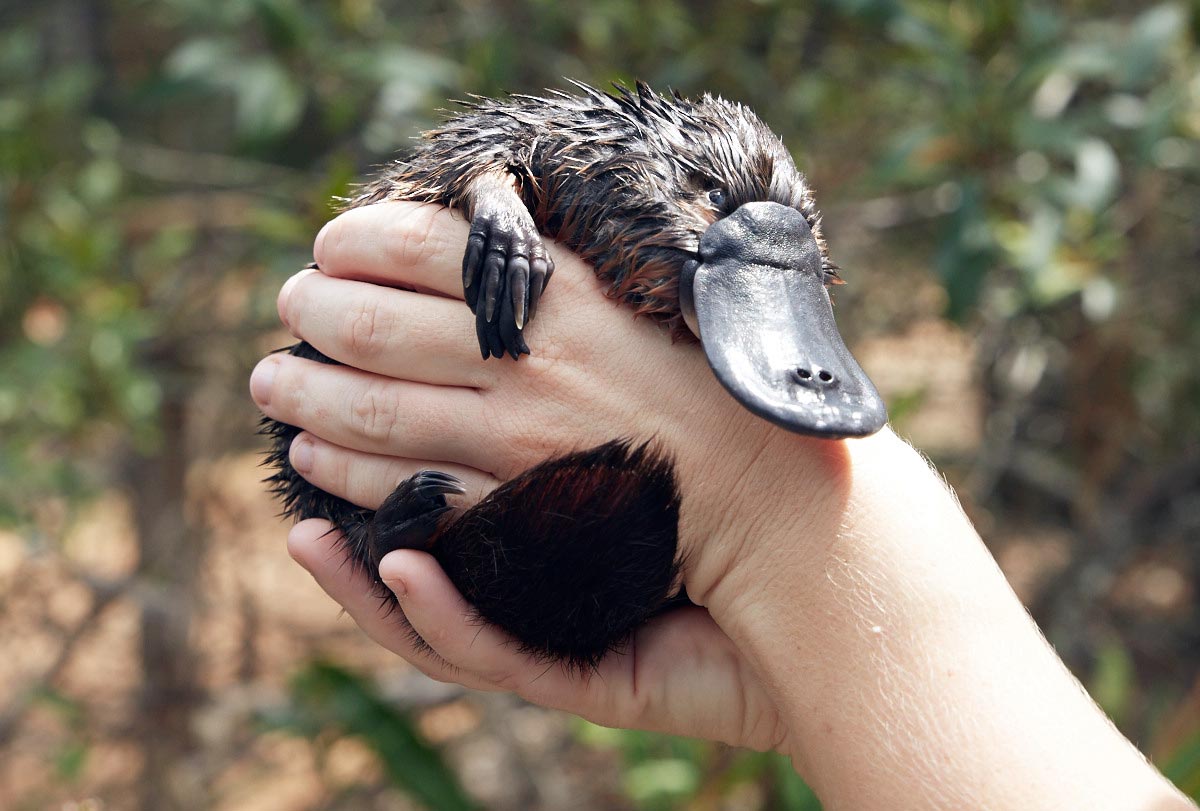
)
(1183, 768)
(906, 403)
(659, 780)
(793, 791)
(1150, 38)
(70, 759)
(336, 698)
(966, 253)
(900, 161)
(199, 58)
(1112, 683)
(282, 22)
(269, 101)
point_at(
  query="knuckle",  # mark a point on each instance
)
(363, 329)
(373, 413)
(411, 239)
(295, 403)
(505, 681)
(436, 637)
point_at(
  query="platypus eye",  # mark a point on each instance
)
(717, 197)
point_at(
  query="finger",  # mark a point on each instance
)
(373, 414)
(665, 682)
(396, 243)
(447, 623)
(366, 479)
(443, 618)
(395, 333)
(422, 246)
(315, 546)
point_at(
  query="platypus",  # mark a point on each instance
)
(692, 213)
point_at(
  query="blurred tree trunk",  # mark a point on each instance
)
(171, 550)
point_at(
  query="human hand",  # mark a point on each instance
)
(416, 394)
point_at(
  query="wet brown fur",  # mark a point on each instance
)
(620, 178)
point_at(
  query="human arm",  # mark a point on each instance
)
(854, 619)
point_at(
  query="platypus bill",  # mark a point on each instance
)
(756, 298)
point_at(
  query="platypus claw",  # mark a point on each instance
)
(409, 517)
(505, 270)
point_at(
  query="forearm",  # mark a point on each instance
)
(907, 672)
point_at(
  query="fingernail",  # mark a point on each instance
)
(286, 291)
(319, 242)
(301, 454)
(398, 587)
(261, 380)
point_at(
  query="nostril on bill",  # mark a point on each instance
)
(814, 377)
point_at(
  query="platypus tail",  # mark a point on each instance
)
(570, 557)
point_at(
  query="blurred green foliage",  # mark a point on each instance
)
(328, 701)
(1183, 768)
(663, 772)
(165, 163)
(155, 154)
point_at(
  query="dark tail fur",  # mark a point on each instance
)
(573, 555)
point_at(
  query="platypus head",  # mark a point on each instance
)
(755, 292)
(715, 228)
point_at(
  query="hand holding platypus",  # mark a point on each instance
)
(692, 213)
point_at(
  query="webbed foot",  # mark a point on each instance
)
(505, 270)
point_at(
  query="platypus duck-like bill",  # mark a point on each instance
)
(757, 301)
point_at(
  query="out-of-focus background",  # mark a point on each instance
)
(1011, 187)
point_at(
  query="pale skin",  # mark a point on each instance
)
(851, 618)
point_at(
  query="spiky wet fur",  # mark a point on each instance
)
(620, 178)
(302, 500)
(574, 554)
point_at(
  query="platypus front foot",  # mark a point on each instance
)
(505, 270)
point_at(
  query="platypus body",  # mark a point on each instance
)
(693, 213)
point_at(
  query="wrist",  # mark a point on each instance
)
(760, 505)
(906, 672)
